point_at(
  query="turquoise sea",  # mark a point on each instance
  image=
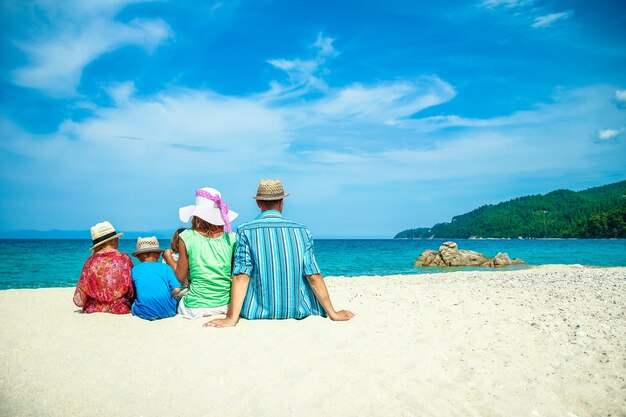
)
(41, 263)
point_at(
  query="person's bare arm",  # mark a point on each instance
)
(321, 293)
(182, 266)
(80, 298)
(175, 292)
(239, 288)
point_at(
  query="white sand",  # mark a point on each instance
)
(549, 341)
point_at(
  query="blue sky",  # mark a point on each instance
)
(377, 116)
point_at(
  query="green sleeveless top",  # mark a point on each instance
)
(210, 261)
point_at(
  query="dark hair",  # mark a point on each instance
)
(269, 204)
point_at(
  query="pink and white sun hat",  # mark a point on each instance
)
(209, 207)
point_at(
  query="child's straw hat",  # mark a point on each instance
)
(147, 244)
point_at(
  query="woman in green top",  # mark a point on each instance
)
(206, 251)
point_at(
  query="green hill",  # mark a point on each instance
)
(598, 212)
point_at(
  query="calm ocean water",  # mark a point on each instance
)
(58, 263)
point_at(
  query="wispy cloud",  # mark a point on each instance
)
(490, 4)
(620, 98)
(385, 102)
(521, 144)
(303, 74)
(382, 102)
(187, 120)
(120, 93)
(549, 19)
(232, 136)
(525, 9)
(192, 148)
(72, 34)
(325, 46)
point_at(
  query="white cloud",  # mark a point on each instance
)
(606, 135)
(184, 126)
(549, 138)
(300, 71)
(195, 119)
(338, 157)
(490, 4)
(524, 9)
(304, 74)
(72, 35)
(172, 142)
(325, 46)
(549, 19)
(121, 92)
(620, 98)
(385, 102)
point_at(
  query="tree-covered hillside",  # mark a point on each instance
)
(594, 213)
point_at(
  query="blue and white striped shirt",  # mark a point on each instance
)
(277, 255)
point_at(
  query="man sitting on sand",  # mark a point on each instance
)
(275, 274)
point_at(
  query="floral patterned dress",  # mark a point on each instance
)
(105, 285)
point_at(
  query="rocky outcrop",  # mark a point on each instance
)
(450, 255)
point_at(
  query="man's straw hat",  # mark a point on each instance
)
(102, 233)
(147, 244)
(270, 190)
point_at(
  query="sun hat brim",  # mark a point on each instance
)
(147, 250)
(105, 240)
(206, 213)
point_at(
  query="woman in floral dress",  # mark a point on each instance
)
(105, 285)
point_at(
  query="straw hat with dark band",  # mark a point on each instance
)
(269, 190)
(102, 233)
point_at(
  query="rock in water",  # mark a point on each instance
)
(502, 259)
(450, 255)
(430, 258)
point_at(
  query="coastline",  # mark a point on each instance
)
(539, 341)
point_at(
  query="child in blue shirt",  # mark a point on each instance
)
(156, 286)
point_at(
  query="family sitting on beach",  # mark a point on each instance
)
(266, 271)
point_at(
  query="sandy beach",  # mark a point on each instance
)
(548, 341)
